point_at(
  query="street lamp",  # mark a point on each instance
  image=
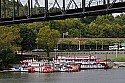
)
(57, 46)
(102, 45)
(78, 44)
(55, 52)
(96, 45)
(37, 43)
(65, 34)
(116, 47)
(84, 46)
(116, 53)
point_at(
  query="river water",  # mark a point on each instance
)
(84, 76)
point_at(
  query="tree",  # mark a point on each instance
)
(120, 19)
(6, 57)
(88, 19)
(9, 44)
(74, 33)
(9, 37)
(47, 38)
(28, 42)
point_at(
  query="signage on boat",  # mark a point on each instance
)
(77, 57)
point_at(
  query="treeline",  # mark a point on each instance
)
(106, 26)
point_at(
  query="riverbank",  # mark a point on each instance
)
(116, 64)
(99, 54)
(120, 64)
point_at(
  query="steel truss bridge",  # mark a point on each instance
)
(26, 11)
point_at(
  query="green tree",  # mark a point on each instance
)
(9, 44)
(120, 19)
(47, 38)
(9, 37)
(116, 30)
(123, 32)
(74, 33)
(29, 39)
(88, 19)
(6, 57)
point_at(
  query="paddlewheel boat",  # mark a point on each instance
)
(72, 67)
(84, 62)
(31, 69)
(66, 67)
(62, 64)
(29, 66)
(46, 69)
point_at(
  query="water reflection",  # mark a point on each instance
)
(86, 76)
(43, 77)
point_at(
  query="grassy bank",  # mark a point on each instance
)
(119, 59)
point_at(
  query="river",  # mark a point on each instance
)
(84, 76)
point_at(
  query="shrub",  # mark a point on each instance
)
(120, 59)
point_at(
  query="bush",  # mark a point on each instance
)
(120, 59)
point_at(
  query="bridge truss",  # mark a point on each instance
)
(24, 11)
